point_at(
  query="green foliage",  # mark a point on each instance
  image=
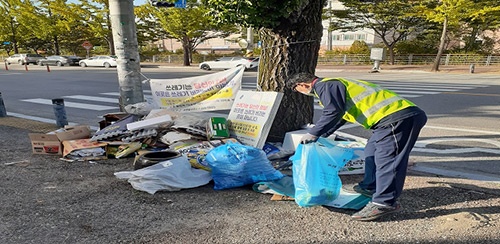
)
(416, 46)
(190, 26)
(47, 25)
(256, 13)
(391, 20)
(359, 47)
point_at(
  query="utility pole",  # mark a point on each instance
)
(126, 48)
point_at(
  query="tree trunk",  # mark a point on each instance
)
(288, 49)
(391, 54)
(435, 66)
(57, 50)
(13, 38)
(111, 44)
(109, 37)
(186, 50)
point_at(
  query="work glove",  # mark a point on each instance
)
(308, 138)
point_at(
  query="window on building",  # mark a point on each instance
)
(349, 37)
(336, 37)
(361, 37)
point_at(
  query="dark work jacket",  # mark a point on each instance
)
(332, 95)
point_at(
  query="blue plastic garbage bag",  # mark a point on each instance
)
(285, 187)
(234, 165)
(315, 172)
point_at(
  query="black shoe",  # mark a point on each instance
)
(374, 211)
(362, 191)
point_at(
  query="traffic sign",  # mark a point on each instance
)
(87, 45)
(180, 4)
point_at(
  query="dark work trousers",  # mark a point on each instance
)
(386, 158)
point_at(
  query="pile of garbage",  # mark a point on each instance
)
(173, 151)
(189, 134)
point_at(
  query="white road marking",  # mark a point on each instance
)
(93, 98)
(403, 92)
(486, 132)
(111, 93)
(44, 120)
(118, 94)
(422, 89)
(71, 104)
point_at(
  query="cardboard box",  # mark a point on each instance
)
(73, 133)
(292, 139)
(45, 144)
(50, 143)
(73, 145)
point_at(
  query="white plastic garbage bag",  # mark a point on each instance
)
(170, 175)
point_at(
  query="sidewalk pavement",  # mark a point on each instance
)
(83, 202)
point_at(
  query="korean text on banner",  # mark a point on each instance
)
(211, 92)
(252, 116)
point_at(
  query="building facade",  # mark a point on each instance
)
(332, 40)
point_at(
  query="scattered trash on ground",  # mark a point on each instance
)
(172, 149)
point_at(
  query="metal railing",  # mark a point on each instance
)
(413, 59)
(352, 59)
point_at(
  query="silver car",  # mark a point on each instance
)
(60, 60)
(99, 61)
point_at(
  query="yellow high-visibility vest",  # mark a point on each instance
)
(367, 103)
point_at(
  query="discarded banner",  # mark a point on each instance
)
(252, 115)
(211, 92)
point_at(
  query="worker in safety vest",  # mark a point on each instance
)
(395, 123)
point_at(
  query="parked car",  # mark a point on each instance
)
(228, 63)
(60, 60)
(24, 58)
(99, 61)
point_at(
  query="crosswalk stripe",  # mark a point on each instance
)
(71, 104)
(462, 86)
(93, 98)
(420, 88)
(409, 95)
(118, 94)
(401, 92)
(111, 93)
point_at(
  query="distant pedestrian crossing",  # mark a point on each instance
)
(108, 101)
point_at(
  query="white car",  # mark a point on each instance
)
(23, 58)
(99, 61)
(229, 62)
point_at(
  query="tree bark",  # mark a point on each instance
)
(291, 48)
(57, 50)
(186, 50)
(435, 66)
(391, 54)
